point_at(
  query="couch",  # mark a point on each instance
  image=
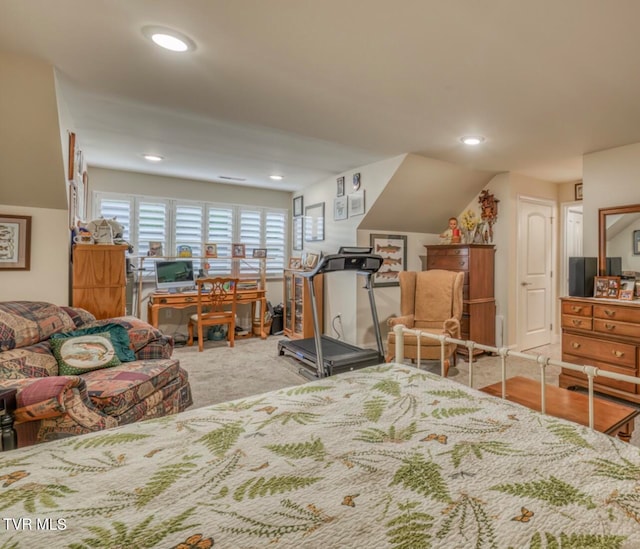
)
(52, 406)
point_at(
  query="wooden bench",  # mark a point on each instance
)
(609, 417)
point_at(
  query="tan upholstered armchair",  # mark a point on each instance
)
(430, 301)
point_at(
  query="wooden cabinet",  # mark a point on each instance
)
(476, 261)
(298, 315)
(604, 333)
(99, 279)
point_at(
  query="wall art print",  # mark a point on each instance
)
(15, 242)
(393, 250)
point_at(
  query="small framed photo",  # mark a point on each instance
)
(311, 260)
(237, 250)
(340, 210)
(260, 253)
(15, 242)
(606, 286)
(155, 249)
(295, 263)
(356, 203)
(578, 191)
(297, 206)
(340, 191)
(626, 295)
(636, 242)
(210, 249)
(356, 181)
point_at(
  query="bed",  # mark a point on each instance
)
(387, 456)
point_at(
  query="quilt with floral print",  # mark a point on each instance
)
(387, 456)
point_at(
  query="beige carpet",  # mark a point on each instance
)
(253, 366)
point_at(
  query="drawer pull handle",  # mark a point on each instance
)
(576, 322)
(609, 312)
(618, 354)
(576, 309)
(457, 252)
(462, 263)
(610, 326)
(575, 345)
(189, 299)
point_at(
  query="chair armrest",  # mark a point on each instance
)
(160, 348)
(406, 320)
(452, 327)
(47, 397)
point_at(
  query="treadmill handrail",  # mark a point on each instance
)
(362, 263)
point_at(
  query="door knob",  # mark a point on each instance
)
(525, 283)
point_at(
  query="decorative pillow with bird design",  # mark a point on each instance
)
(77, 355)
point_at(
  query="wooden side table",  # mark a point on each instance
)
(8, 436)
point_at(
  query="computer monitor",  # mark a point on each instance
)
(176, 274)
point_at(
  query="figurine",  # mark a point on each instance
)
(452, 234)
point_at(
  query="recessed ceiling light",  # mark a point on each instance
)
(169, 39)
(153, 157)
(276, 177)
(472, 140)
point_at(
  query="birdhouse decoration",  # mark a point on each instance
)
(488, 214)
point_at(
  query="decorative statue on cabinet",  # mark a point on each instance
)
(452, 234)
(488, 214)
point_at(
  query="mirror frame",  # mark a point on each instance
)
(602, 232)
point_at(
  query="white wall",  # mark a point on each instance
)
(340, 289)
(48, 279)
(610, 178)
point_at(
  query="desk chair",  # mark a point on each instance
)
(215, 296)
(430, 301)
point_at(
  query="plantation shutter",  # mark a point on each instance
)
(188, 230)
(275, 241)
(220, 232)
(152, 226)
(119, 208)
(250, 236)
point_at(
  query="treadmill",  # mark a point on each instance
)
(321, 355)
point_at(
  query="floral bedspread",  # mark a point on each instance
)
(387, 456)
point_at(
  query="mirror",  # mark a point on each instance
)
(619, 236)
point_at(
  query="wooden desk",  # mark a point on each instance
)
(182, 300)
(609, 417)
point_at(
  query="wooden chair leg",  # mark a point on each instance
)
(232, 334)
(200, 338)
(190, 332)
(447, 363)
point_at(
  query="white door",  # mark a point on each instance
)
(572, 240)
(535, 247)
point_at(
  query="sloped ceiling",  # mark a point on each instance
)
(31, 160)
(422, 194)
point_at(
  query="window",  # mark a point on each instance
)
(177, 222)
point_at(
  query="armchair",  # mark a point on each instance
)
(430, 301)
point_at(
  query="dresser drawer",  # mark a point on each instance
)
(616, 384)
(579, 322)
(612, 312)
(576, 309)
(620, 354)
(448, 262)
(616, 328)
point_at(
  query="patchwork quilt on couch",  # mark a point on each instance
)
(52, 406)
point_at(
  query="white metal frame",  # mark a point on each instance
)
(590, 371)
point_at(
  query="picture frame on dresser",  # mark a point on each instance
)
(606, 286)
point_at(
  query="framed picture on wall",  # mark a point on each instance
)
(297, 206)
(636, 242)
(340, 211)
(393, 249)
(15, 242)
(578, 191)
(314, 222)
(340, 190)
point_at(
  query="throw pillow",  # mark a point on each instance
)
(119, 338)
(81, 354)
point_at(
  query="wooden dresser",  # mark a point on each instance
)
(479, 305)
(99, 279)
(604, 333)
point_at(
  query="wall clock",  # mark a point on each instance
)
(356, 181)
